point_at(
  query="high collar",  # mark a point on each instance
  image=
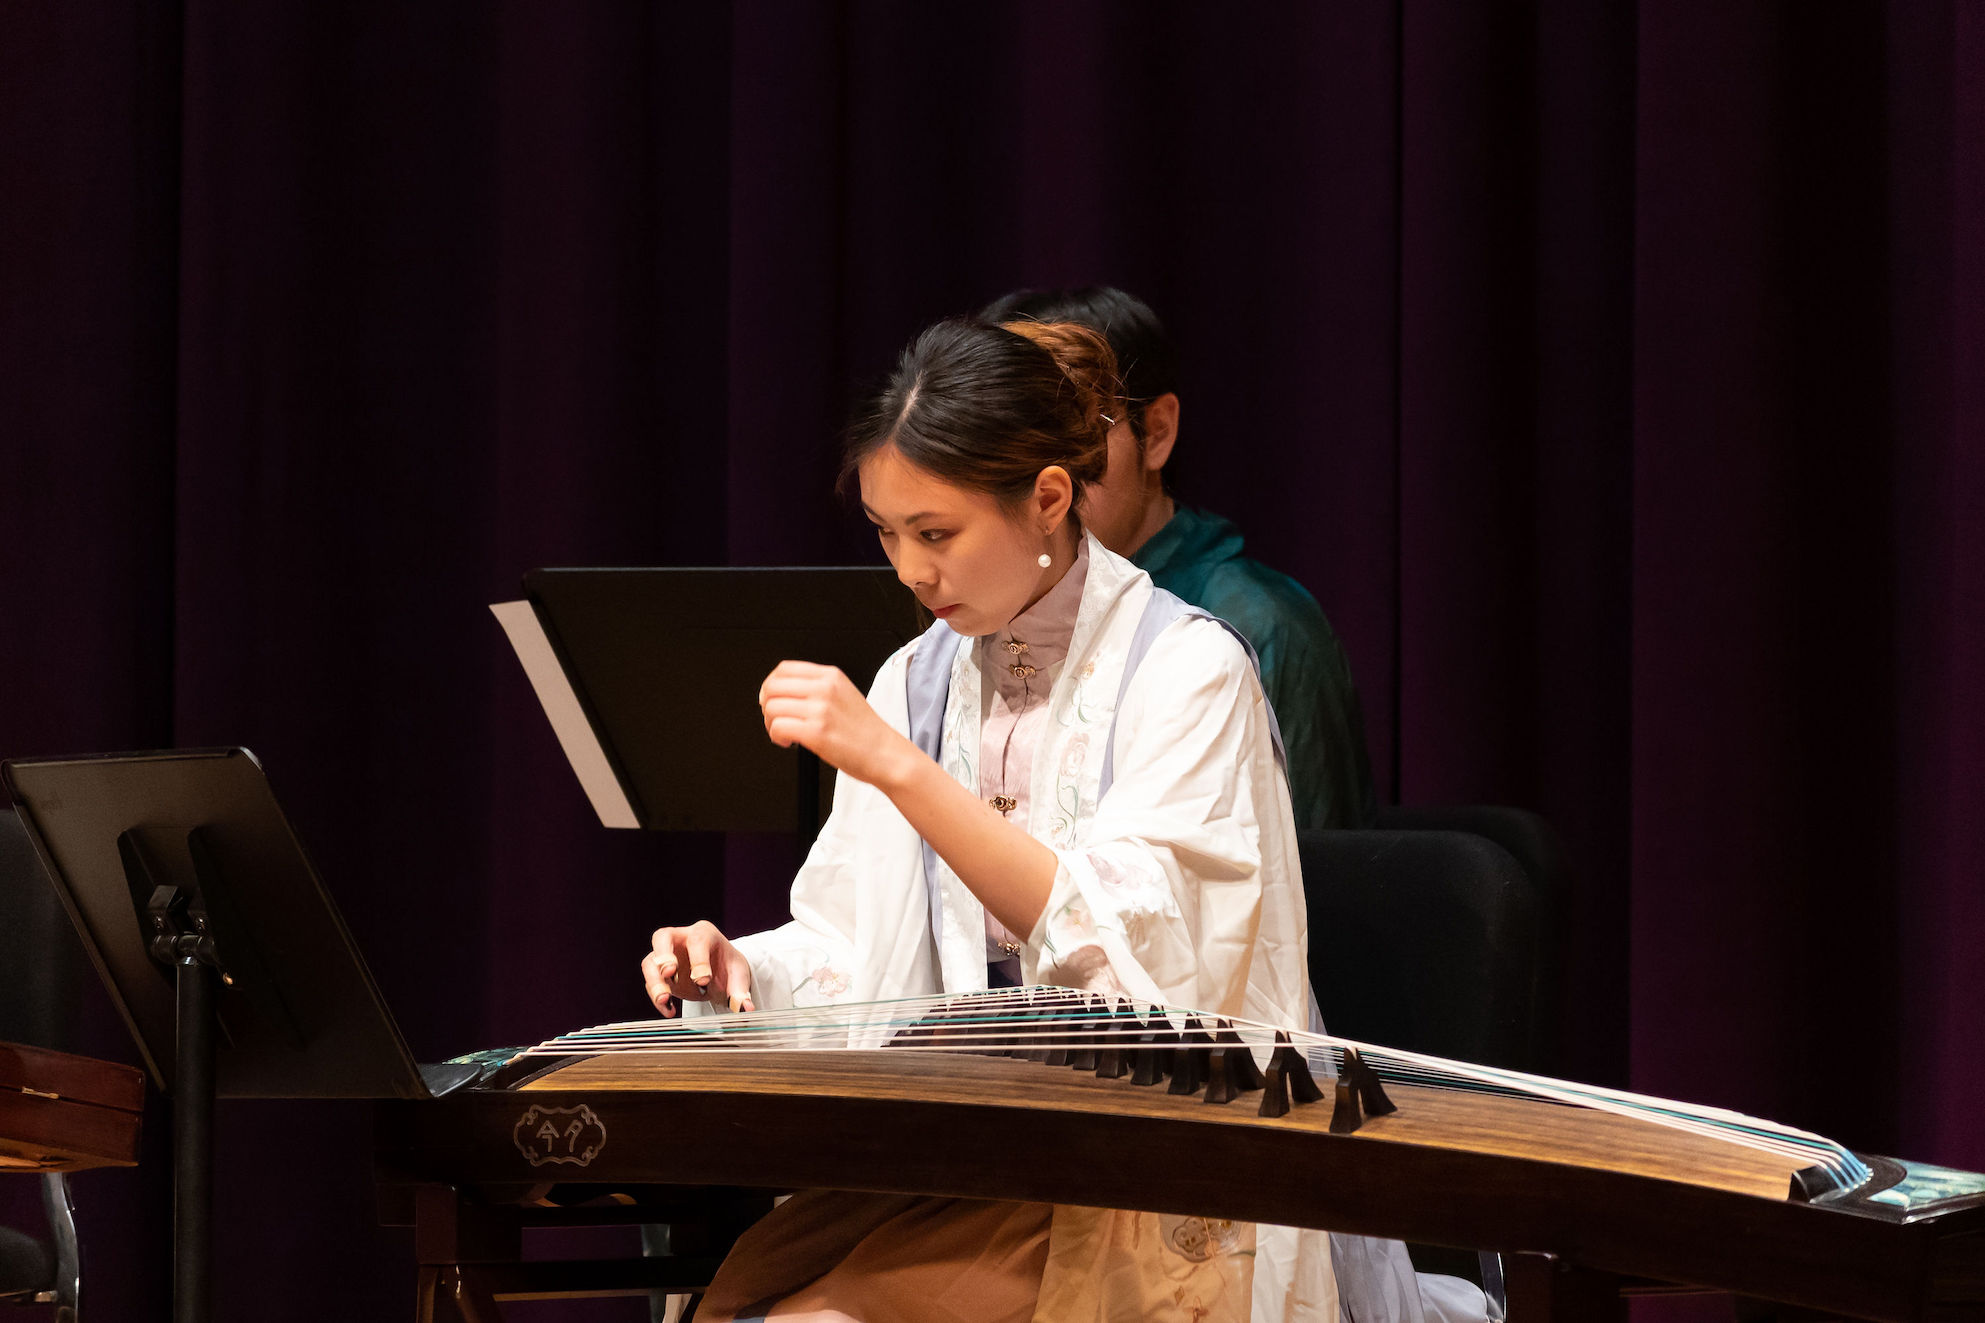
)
(1046, 628)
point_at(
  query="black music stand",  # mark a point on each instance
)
(650, 678)
(218, 944)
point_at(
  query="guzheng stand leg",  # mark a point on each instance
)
(451, 1236)
(447, 1295)
(471, 1253)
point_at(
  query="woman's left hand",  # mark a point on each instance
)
(820, 708)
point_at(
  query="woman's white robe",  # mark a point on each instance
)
(1182, 887)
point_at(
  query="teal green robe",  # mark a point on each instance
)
(1198, 556)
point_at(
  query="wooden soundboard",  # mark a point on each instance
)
(1603, 1192)
(60, 1112)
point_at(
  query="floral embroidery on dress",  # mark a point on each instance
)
(955, 755)
(1113, 875)
(823, 984)
(1075, 709)
(1074, 756)
(1074, 913)
(1143, 892)
(1138, 896)
(1068, 792)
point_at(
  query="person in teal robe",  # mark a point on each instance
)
(1303, 667)
(1199, 556)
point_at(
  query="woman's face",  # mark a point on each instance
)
(973, 563)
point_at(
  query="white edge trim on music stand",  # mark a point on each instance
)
(568, 720)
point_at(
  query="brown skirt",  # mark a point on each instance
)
(832, 1256)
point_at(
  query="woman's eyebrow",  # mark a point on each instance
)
(917, 518)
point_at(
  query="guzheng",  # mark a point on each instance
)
(1115, 1103)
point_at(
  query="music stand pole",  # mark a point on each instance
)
(193, 1143)
(180, 937)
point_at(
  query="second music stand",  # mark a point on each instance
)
(650, 678)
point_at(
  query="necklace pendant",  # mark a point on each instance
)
(1004, 803)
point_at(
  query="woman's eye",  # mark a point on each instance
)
(880, 531)
(933, 535)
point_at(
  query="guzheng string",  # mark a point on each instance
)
(1036, 1019)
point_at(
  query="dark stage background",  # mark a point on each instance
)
(1612, 376)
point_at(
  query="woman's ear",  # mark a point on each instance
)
(1054, 494)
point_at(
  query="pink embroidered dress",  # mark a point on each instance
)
(1021, 664)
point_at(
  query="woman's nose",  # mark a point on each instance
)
(913, 570)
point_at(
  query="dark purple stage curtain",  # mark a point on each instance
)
(1612, 377)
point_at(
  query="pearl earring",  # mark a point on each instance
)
(1046, 560)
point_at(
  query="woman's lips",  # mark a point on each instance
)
(942, 611)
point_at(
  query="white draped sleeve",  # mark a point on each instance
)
(1184, 889)
(864, 847)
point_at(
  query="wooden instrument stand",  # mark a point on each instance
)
(470, 1252)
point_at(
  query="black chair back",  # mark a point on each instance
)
(1532, 841)
(1426, 940)
(1537, 846)
(41, 961)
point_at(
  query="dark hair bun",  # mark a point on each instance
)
(988, 407)
(1084, 356)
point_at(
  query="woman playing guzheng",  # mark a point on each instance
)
(1064, 827)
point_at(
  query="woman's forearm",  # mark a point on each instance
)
(1009, 871)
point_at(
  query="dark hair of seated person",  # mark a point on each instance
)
(1145, 354)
